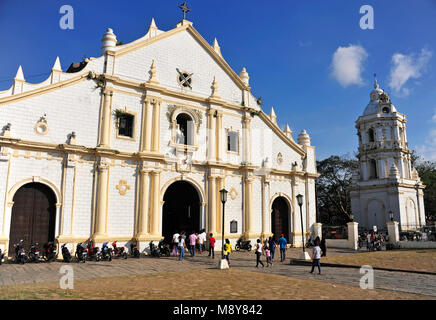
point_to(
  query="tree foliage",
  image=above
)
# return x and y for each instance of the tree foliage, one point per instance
(427, 173)
(333, 189)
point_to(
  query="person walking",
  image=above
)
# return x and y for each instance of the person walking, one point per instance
(272, 247)
(175, 241)
(316, 256)
(202, 240)
(181, 245)
(192, 242)
(268, 257)
(259, 250)
(282, 244)
(211, 245)
(368, 241)
(323, 247)
(227, 250)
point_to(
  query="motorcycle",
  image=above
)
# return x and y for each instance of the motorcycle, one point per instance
(106, 253)
(242, 244)
(118, 252)
(20, 253)
(66, 253)
(134, 251)
(154, 252)
(164, 249)
(34, 255)
(1, 256)
(49, 251)
(81, 252)
(93, 252)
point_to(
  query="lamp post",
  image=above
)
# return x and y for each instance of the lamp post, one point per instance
(300, 203)
(223, 194)
(391, 215)
(351, 217)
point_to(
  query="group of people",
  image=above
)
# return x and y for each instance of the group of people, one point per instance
(197, 243)
(373, 240)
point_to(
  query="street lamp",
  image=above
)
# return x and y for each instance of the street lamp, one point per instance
(300, 203)
(223, 194)
(391, 215)
(351, 217)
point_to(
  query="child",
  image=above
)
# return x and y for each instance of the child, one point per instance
(227, 250)
(268, 257)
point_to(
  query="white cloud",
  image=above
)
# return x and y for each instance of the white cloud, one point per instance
(433, 119)
(405, 67)
(428, 150)
(347, 64)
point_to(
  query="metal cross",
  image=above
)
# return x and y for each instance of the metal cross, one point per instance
(185, 79)
(185, 9)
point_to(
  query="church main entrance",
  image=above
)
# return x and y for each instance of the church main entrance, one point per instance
(280, 218)
(181, 209)
(33, 216)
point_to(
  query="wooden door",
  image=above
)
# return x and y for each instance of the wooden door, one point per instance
(33, 216)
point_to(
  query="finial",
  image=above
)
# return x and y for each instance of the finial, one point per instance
(216, 47)
(375, 82)
(57, 65)
(272, 115)
(244, 76)
(19, 76)
(152, 29)
(153, 77)
(215, 89)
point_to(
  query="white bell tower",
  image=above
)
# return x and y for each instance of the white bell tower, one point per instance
(386, 181)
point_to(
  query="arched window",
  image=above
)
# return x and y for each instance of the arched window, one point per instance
(371, 135)
(186, 127)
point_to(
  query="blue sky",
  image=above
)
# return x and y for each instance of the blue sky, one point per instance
(288, 48)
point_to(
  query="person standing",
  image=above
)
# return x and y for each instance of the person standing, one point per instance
(202, 240)
(316, 256)
(323, 247)
(192, 242)
(227, 250)
(211, 245)
(181, 245)
(175, 241)
(282, 244)
(368, 241)
(272, 247)
(259, 250)
(268, 257)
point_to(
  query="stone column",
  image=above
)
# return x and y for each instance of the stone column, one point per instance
(147, 126)
(393, 232)
(247, 145)
(203, 215)
(155, 193)
(156, 127)
(248, 206)
(101, 210)
(219, 206)
(211, 150)
(212, 205)
(353, 235)
(143, 205)
(105, 128)
(219, 134)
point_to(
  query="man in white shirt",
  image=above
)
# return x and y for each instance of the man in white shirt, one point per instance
(316, 256)
(176, 240)
(202, 239)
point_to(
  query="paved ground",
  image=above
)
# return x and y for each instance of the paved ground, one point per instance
(14, 274)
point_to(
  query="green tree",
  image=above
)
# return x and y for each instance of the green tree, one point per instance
(427, 173)
(333, 189)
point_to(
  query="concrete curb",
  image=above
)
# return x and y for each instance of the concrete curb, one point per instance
(309, 263)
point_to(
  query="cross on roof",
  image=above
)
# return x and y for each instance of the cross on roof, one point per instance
(185, 9)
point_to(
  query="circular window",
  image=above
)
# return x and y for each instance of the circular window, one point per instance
(385, 110)
(185, 79)
(41, 128)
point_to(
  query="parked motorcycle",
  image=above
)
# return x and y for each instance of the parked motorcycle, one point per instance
(20, 253)
(164, 249)
(243, 244)
(154, 251)
(1, 256)
(81, 252)
(34, 254)
(118, 252)
(49, 252)
(106, 253)
(134, 251)
(93, 252)
(66, 253)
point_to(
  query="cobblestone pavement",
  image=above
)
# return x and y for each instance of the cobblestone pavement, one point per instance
(14, 274)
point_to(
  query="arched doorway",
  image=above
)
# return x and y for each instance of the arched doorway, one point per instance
(181, 209)
(280, 218)
(33, 217)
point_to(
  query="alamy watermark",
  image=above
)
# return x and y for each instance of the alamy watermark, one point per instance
(67, 20)
(367, 20)
(67, 280)
(367, 280)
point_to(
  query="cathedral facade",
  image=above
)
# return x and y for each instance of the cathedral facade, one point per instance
(386, 187)
(137, 143)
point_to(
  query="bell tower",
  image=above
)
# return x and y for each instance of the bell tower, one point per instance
(385, 181)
